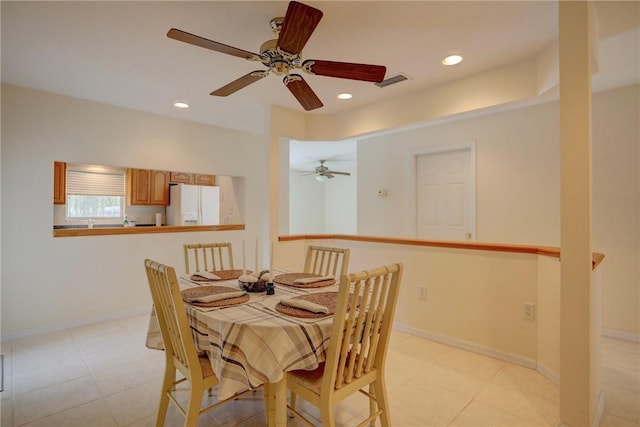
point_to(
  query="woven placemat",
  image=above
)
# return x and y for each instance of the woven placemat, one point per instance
(290, 278)
(222, 274)
(200, 291)
(328, 299)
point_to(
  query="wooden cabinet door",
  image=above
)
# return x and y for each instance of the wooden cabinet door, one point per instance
(148, 187)
(159, 189)
(201, 179)
(181, 178)
(59, 183)
(139, 186)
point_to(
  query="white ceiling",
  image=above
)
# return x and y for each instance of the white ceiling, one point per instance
(304, 156)
(118, 53)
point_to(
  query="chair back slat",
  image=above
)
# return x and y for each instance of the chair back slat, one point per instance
(369, 337)
(327, 261)
(208, 257)
(361, 329)
(345, 341)
(376, 324)
(172, 317)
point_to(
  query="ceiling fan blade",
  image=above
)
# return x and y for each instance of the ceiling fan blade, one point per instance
(299, 23)
(340, 173)
(345, 70)
(240, 83)
(183, 36)
(302, 91)
(328, 175)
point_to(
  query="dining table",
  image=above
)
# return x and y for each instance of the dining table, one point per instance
(255, 343)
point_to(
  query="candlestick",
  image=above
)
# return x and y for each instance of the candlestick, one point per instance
(244, 269)
(257, 270)
(271, 264)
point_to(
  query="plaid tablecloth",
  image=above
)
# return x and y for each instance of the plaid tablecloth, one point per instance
(252, 344)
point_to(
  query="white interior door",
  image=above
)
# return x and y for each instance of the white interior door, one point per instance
(445, 195)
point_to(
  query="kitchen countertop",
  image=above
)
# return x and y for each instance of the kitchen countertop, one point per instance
(101, 230)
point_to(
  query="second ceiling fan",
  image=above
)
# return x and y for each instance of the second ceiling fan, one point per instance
(323, 173)
(282, 55)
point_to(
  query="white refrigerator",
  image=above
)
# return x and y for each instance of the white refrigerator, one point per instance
(193, 205)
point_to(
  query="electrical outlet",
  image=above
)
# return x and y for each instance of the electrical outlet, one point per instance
(423, 292)
(528, 311)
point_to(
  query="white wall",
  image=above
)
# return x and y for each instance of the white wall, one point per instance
(47, 281)
(306, 204)
(517, 175)
(518, 187)
(323, 207)
(232, 199)
(616, 204)
(341, 203)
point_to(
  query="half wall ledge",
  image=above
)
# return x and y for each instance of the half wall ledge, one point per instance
(550, 251)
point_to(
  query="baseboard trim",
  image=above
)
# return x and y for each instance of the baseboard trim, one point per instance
(552, 376)
(627, 336)
(597, 416)
(74, 324)
(468, 345)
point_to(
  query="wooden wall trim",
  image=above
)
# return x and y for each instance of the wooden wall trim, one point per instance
(108, 231)
(493, 247)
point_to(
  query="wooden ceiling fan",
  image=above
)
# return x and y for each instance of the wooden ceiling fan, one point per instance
(282, 55)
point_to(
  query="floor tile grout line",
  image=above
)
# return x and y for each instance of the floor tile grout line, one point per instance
(56, 413)
(473, 399)
(623, 418)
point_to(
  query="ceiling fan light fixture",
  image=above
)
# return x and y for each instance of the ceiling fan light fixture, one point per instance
(452, 60)
(280, 67)
(345, 96)
(321, 178)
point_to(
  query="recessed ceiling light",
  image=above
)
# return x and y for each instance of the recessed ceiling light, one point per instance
(345, 96)
(452, 60)
(181, 105)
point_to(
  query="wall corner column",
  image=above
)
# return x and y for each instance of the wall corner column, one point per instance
(576, 377)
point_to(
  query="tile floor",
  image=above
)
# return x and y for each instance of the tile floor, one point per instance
(102, 375)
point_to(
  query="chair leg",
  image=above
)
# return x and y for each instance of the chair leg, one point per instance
(292, 402)
(373, 407)
(167, 386)
(382, 401)
(193, 409)
(327, 417)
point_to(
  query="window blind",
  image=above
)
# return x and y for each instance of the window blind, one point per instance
(90, 183)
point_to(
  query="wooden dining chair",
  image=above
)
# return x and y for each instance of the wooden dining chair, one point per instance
(208, 256)
(355, 359)
(180, 350)
(327, 261)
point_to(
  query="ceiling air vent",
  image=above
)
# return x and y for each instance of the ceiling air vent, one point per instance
(392, 80)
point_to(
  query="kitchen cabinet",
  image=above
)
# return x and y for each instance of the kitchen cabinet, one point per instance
(59, 183)
(191, 178)
(147, 187)
(201, 179)
(181, 178)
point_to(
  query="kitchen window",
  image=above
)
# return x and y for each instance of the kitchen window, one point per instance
(95, 192)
